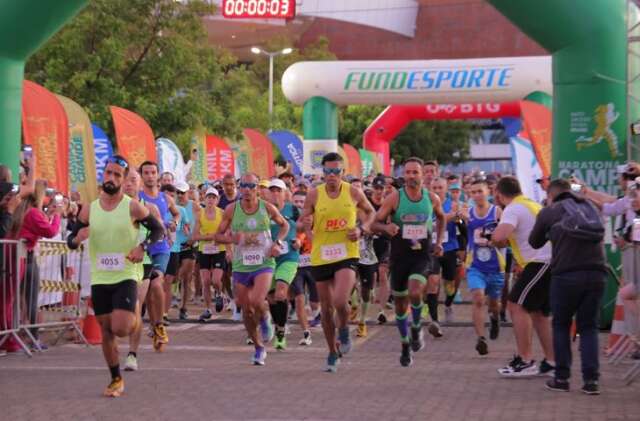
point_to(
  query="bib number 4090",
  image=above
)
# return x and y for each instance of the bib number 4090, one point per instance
(252, 258)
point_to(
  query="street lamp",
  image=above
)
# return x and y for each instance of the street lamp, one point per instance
(284, 51)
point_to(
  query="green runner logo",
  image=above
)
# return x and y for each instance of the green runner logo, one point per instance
(604, 116)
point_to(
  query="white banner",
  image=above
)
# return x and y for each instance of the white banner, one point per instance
(170, 158)
(526, 168)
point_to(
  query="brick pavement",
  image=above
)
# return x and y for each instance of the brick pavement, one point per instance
(205, 374)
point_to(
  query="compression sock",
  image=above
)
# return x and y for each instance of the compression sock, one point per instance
(115, 371)
(402, 321)
(432, 303)
(416, 313)
(280, 313)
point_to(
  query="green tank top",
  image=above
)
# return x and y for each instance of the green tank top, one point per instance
(253, 253)
(112, 236)
(415, 220)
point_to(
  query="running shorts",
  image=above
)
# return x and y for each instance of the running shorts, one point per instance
(285, 272)
(490, 282)
(532, 288)
(327, 272)
(160, 261)
(448, 264)
(367, 275)
(304, 277)
(121, 296)
(173, 265)
(212, 261)
(401, 270)
(248, 279)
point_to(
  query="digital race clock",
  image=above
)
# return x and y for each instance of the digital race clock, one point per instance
(263, 9)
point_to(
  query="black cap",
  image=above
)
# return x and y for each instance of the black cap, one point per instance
(5, 188)
(379, 181)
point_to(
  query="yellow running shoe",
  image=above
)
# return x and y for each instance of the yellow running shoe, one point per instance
(362, 330)
(353, 316)
(115, 388)
(160, 337)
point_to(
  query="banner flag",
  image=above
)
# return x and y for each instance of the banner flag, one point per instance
(526, 168)
(241, 158)
(537, 121)
(345, 158)
(219, 158)
(102, 150)
(261, 153)
(170, 158)
(290, 147)
(82, 159)
(367, 162)
(46, 129)
(134, 137)
(355, 163)
(199, 169)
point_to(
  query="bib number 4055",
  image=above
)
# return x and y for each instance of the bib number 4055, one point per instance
(110, 262)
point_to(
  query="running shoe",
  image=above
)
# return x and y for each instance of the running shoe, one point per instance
(362, 330)
(165, 320)
(260, 356)
(160, 337)
(266, 329)
(219, 303)
(131, 364)
(306, 338)
(382, 318)
(557, 385)
(183, 314)
(546, 369)
(425, 311)
(353, 316)
(316, 321)
(249, 341)
(435, 330)
(280, 342)
(590, 388)
(448, 315)
(481, 346)
(287, 329)
(237, 316)
(405, 357)
(115, 388)
(345, 340)
(332, 362)
(517, 367)
(389, 304)
(494, 331)
(292, 314)
(417, 339)
(206, 315)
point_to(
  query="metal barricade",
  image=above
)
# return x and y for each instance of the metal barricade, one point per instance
(51, 290)
(12, 254)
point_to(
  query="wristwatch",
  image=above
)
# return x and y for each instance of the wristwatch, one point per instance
(279, 243)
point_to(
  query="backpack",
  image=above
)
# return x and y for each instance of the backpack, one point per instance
(581, 221)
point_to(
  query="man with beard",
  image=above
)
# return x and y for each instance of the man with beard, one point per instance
(382, 248)
(111, 223)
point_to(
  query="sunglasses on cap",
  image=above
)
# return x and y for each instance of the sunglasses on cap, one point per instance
(249, 186)
(118, 161)
(329, 171)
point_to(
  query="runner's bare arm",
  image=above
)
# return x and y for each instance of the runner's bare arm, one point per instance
(500, 236)
(80, 230)
(381, 222)
(174, 211)
(223, 236)
(309, 209)
(440, 218)
(195, 236)
(367, 213)
(277, 217)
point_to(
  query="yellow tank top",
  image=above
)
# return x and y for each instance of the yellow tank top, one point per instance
(332, 220)
(210, 226)
(532, 207)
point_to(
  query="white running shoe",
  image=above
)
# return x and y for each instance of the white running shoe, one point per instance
(131, 363)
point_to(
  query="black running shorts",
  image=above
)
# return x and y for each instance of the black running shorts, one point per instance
(327, 272)
(121, 296)
(212, 261)
(531, 289)
(416, 267)
(305, 277)
(367, 275)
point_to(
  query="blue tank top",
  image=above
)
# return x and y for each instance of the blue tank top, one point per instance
(451, 235)
(485, 259)
(186, 220)
(291, 215)
(161, 247)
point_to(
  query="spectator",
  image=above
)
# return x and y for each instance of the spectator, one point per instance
(9, 200)
(577, 283)
(167, 178)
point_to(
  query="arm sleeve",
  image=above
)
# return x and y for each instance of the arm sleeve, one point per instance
(155, 228)
(538, 235)
(77, 226)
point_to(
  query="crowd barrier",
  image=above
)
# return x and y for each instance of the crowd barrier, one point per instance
(41, 291)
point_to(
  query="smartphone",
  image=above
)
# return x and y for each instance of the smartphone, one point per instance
(15, 189)
(576, 187)
(49, 191)
(27, 152)
(58, 198)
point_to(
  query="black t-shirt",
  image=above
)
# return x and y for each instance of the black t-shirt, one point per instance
(5, 223)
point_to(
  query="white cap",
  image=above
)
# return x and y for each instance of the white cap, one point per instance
(276, 182)
(182, 186)
(212, 190)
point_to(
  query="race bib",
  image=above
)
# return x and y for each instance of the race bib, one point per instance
(112, 262)
(252, 257)
(333, 252)
(483, 253)
(305, 260)
(445, 238)
(210, 248)
(414, 232)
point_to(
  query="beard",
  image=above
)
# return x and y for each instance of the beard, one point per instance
(110, 188)
(413, 183)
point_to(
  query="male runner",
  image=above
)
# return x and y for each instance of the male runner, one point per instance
(458, 207)
(212, 255)
(331, 211)
(183, 238)
(484, 276)
(246, 225)
(382, 248)
(229, 195)
(286, 262)
(111, 225)
(411, 210)
(367, 273)
(160, 251)
(529, 301)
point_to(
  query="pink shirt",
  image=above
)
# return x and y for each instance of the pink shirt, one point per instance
(36, 225)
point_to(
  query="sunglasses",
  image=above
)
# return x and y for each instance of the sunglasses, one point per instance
(249, 186)
(181, 192)
(329, 171)
(118, 161)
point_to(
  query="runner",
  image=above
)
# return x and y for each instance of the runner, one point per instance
(459, 207)
(211, 258)
(246, 224)
(174, 257)
(382, 248)
(484, 275)
(529, 302)
(183, 238)
(229, 195)
(330, 211)
(367, 274)
(111, 225)
(286, 262)
(160, 251)
(411, 209)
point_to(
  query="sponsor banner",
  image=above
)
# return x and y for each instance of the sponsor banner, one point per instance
(290, 147)
(526, 167)
(82, 160)
(314, 150)
(261, 153)
(367, 158)
(355, 163)
(102, 151)
(241, 156)
(46, 129)
(219, 158)
(198, 148)
(170, 158)
(134, 137)
(536, 119)
(345, 158)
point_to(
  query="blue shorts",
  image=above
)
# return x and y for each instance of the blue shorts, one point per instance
(248, 278)
(490, 282)
(160, 262)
